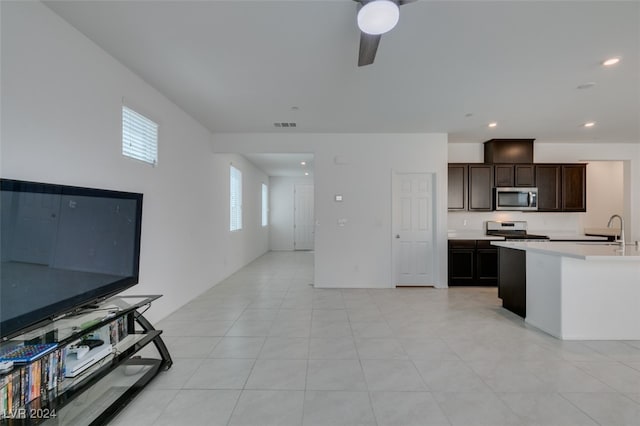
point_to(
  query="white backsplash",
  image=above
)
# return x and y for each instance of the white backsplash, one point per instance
(565, 223)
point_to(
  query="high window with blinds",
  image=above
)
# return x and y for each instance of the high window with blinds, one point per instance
(235, 199)
(265, 205)
(139, 136)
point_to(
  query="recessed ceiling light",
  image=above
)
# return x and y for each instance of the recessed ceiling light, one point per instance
(589, 124)
(493, 124)
(611, 61)
(303, 163)
(306, 173)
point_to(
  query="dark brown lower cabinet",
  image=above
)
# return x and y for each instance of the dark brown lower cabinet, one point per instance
(486, 263)
(462, 262)
(512, 280)
(472, 262)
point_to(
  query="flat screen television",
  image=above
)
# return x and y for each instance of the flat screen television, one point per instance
(63, 247)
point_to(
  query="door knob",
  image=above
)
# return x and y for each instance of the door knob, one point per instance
(397, 235)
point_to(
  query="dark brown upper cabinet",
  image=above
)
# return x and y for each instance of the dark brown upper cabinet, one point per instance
(458, 176)
(562, 187)
(510, 175)
(470, 187)
(503, 174)
(524, 175)
(549, 180)
(480, 187)
(508, 151)
(574, 187)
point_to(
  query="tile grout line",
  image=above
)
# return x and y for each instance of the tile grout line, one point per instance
(578, 408)
(252, 289)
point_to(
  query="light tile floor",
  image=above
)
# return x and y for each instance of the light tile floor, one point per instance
(266, 348)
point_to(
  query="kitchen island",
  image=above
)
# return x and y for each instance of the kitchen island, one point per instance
(582, 290)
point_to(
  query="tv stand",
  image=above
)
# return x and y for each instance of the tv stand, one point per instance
(97, 391)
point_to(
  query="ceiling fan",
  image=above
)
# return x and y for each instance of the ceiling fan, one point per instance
(375, 17)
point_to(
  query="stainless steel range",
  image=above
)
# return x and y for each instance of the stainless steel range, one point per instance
(514, 230)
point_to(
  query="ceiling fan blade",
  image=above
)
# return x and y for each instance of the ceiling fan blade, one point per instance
(368, 47)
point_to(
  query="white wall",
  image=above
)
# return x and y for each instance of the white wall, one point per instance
(61, 123)
(561, 152)
(281, 210)
(233, 250)
(541, 223)
(359, 166)
(605, 195)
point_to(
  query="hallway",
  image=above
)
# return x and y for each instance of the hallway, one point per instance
(264, 347)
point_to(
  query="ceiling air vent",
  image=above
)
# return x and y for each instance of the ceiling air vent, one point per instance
(283, 124)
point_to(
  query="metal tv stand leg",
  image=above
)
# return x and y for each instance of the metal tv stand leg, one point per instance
(167, 362)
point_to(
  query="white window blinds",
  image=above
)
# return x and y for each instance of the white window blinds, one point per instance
(139, 136)
(265, 205)
(235, 199)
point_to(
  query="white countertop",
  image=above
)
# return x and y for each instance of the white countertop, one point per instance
(578, 250)
(472, 235)
(610, 232)
(553, 235)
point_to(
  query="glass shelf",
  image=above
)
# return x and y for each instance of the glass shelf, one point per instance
(72, 326)
(96, 403)
(96, 394)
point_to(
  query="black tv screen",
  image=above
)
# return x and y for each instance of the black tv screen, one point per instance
(63, 247)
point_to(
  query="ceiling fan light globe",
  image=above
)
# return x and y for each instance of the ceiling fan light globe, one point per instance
(378, 17)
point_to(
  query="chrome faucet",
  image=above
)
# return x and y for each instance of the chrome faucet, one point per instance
(620, 240)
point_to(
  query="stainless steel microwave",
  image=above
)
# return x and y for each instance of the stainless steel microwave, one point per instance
(508, 198)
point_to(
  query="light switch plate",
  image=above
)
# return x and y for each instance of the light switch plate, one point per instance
(338, 197)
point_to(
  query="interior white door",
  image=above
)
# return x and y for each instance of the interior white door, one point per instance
(413, 229)
(303, 222)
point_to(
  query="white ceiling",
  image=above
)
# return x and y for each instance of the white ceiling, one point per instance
(240, 66)
(283, 164)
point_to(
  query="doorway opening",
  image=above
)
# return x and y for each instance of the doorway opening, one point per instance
(291, 209)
